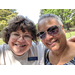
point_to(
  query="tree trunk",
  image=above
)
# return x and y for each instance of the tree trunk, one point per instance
(67, 27)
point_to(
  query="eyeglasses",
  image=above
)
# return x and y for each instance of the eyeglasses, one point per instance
(53, 30)
(17, 36)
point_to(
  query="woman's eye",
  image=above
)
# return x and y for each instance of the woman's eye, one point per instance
(16, 34)
(27, 36)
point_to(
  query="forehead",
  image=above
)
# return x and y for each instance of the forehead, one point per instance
(20, 31)
(46, 22)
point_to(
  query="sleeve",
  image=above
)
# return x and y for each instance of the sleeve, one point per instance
(1, 55)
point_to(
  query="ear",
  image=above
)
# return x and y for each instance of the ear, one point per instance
(63, 28)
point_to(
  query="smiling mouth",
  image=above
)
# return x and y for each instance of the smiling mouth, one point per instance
(52, 42)
(20, 45)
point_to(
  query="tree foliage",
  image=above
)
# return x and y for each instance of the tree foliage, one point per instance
(67, 16)
(5, 15)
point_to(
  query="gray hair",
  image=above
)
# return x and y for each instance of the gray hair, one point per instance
(51, 16)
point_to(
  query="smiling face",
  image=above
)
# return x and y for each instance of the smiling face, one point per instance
(20, 42)
(56, 42)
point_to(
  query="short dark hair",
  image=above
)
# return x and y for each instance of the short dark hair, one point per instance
(19, 22)
(51, 16)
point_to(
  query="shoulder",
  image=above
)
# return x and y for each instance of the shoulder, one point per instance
(33, 51)
(4, 47)
(1, 46)
(34, 45)
(71, 45)
(72, 48)
(38, 45)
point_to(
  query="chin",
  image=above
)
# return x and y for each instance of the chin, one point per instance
(54, 49)
(18, 54)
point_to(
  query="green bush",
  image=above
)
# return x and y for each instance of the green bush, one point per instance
(0, 34)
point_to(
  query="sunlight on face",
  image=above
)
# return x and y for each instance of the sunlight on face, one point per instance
(51, 42)
(20, 42)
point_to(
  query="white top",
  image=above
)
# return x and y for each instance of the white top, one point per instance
(7, 57)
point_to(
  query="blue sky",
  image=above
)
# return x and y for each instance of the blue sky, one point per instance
(32, 14)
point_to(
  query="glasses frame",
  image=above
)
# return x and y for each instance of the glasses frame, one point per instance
(44, 32)
(13, 35)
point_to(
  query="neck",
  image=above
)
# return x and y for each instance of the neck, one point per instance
(57, 53)
(55, 57)
(60, 51)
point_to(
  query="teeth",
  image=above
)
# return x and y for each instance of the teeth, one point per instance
(49, 43)
(19, 45)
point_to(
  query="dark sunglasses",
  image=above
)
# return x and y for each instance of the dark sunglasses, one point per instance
(53, 30)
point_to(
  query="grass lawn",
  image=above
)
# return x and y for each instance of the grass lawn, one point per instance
(68, 35)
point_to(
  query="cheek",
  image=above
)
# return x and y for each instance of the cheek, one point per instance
(29, 42)
(43, 41)
(11, 43)
(11, 40)
(61, 39)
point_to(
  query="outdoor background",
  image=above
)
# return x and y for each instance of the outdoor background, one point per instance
(67, 16)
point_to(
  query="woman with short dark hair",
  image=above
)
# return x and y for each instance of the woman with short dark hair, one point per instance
(16, 23)
(20, 38)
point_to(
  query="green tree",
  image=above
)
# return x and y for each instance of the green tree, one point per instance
(67, 16)
(5, 15)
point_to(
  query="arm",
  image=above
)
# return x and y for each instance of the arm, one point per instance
(72, 39)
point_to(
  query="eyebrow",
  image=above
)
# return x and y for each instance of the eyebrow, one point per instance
(23, 32)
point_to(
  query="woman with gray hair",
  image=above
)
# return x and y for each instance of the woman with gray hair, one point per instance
(52, 34)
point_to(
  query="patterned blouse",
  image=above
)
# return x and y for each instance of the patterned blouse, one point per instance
(71, 62)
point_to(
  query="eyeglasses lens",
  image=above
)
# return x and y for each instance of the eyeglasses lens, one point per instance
(42, 35)
(51, 31)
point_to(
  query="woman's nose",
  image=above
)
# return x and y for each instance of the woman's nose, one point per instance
(48, 36)
(21, 39)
